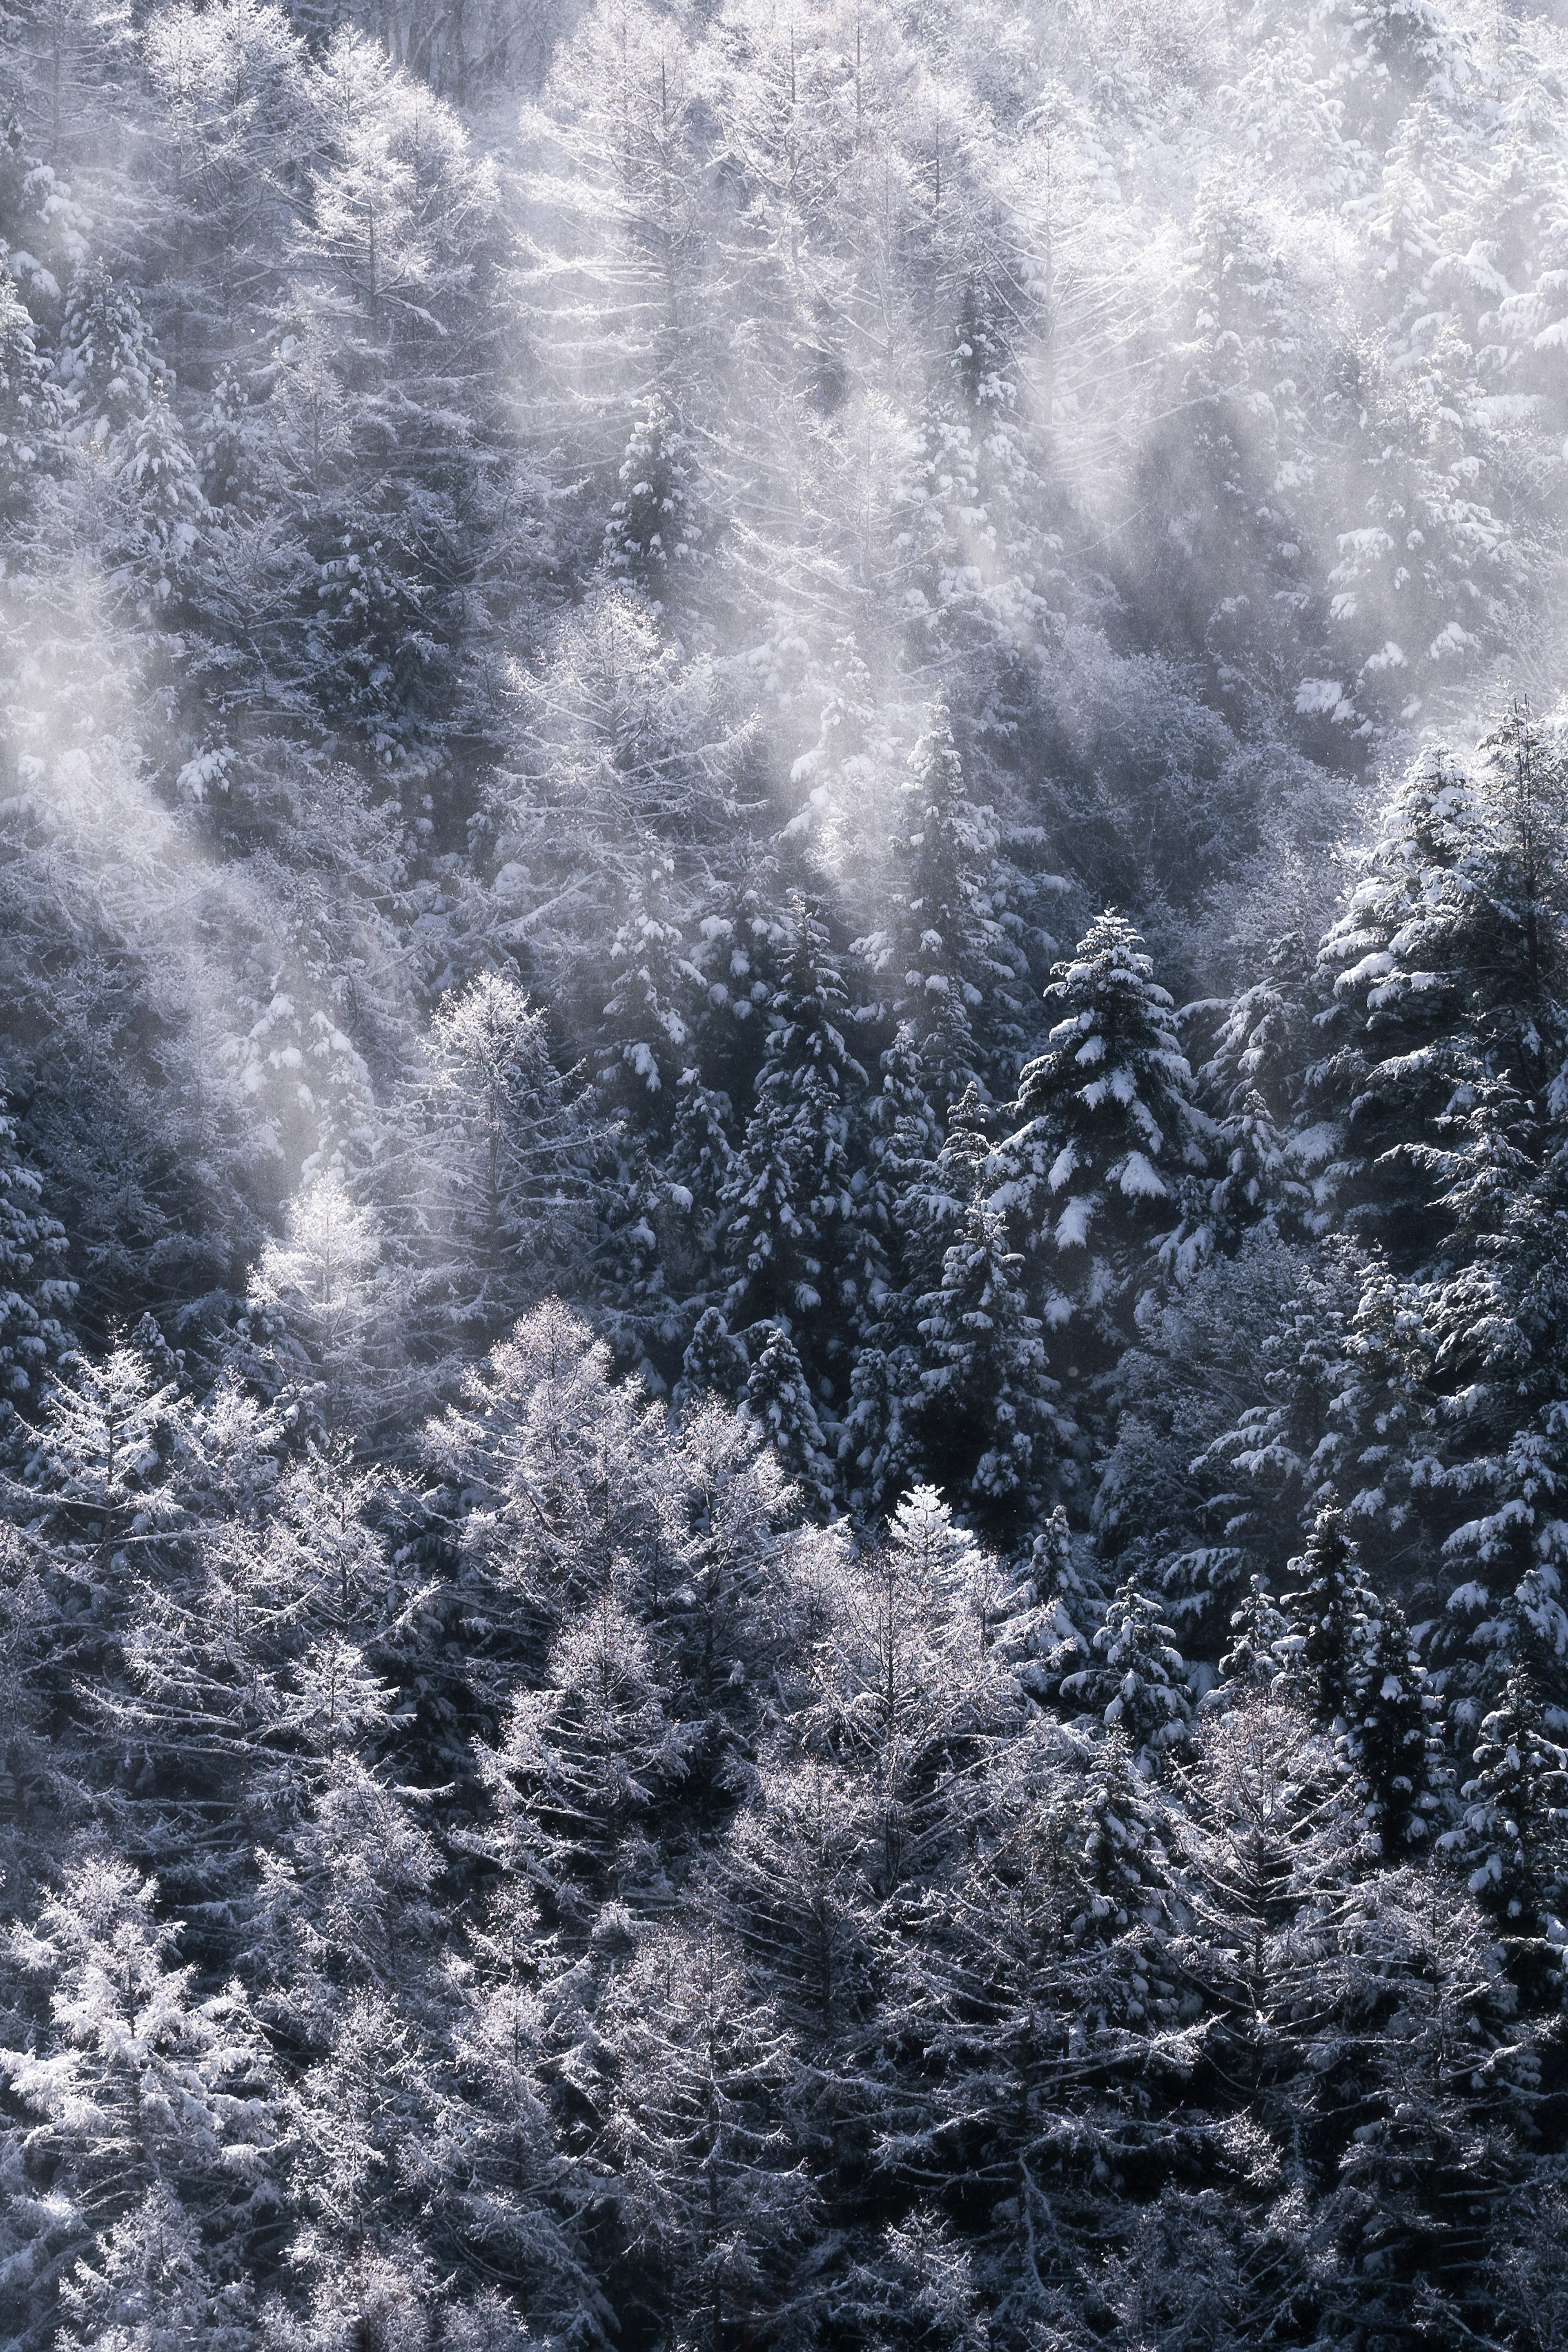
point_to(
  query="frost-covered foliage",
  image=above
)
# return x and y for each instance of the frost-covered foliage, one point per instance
(783, 1176)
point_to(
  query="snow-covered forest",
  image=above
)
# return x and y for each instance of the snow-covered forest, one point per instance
(783, 1175)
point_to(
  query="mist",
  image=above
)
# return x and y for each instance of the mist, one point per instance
(783, 1175)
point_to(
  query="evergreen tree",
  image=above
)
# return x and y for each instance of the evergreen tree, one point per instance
(715, 1362)
(947, 963)
(789, 1202)
(1392, 1740)
(987, 1415)
(30, 407)
(1135, 1679)
(140, 2090)
(777, 1403)
(657, 532)
(35, 1290)
(1327, 1608)
(1512, 1837)
(712, 2193)
(1103, 1127)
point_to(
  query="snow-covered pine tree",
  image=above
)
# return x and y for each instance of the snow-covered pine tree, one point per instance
(1391, 1741)
(777, 1404)
(31, 411)
(659, 530)
(1326, 1609)
(35, 1291)
(1251, 1661)
(644, 1038)
(136, 2086)
(714, 1363)
(789, 1201)
(1513, 1837)
(988, 1417)
(699, 2132)
(1104, 1126)
(1135, 1679)
(946, 963)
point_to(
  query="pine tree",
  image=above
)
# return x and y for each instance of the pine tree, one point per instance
(1326, 1609)
(987, 1415)
(1103, 1129)
(1392, 1740)
(36, 1292)
(1432, 973)
(31, 412)
(712, 2193)
(646, 1037)
(107, 365)
(1513, 1840)
(138, 2087)
(948, 966)
(777, 1404)
(1251, 1662)
(1137, 1678)
(788, 1203)
(714, 1363)
(166, 506)
(657, 530)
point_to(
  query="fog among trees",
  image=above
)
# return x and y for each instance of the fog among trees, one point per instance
(783, 1176)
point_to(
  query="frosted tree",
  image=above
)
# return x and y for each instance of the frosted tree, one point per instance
(104, 1433)
(328, 1283)
(946, 962)
(988, 1411)
(36, 1292)
(777, 1403)
(1392, 1739)
(139, 2089)
(657, 530)
(491, 1180)
(795, 1890)
(108, 366)
(1513, 1837)
(31, 413)
(1135, 1678)
(583, 1762)
(788, 1203)
(552, 1472)
(1103, 1128)
(708, 2183)
(1326, 1611)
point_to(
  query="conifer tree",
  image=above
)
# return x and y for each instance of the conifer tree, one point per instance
(789, 1202)
(657, 528)
(1135, 1679)
(1326, 1608)
(1513, 1838)
(701, 2077)
(31, 412)
(644, 1034)
(988, 1414)
(946, 961)
(1103, 1127)
(1256, 1627)
(35, 1291)
(139, 2089)
(777, 1403)
(1392, 1740)
(714, 1364)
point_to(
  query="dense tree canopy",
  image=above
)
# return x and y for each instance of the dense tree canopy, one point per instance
(783, 1176)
